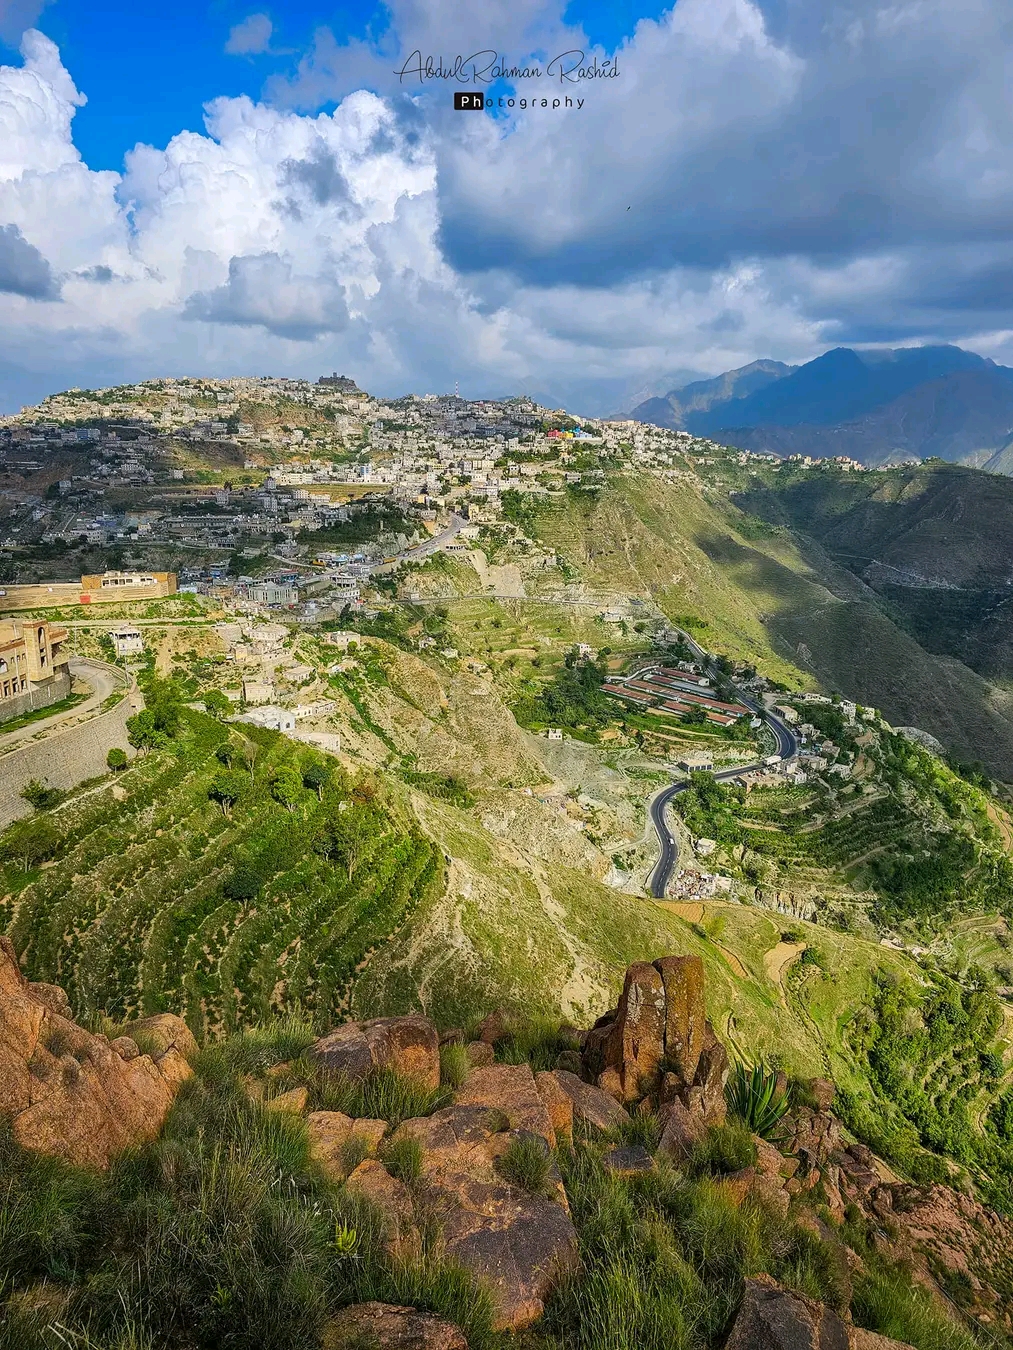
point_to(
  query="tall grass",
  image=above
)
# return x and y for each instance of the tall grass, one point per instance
(383, 1095)
(892, 1304)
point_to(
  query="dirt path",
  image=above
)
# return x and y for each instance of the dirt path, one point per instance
(777, 961)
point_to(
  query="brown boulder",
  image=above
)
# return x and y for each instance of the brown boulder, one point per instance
(710, 1078)
(391, 1198)
(69, 1093)
(162, 1033)
(685, 1013)
(386, 1327)
(683, 1131)
(822, 1092)
(293, 1102)
(336, 1140)
(871, 1340)
(480, 1053)
(406, 1045)
(517, 1243)
(494, 1028)
(772, 1318)
(558, 1104)
(633, 1045)
(509, 1088)
(591, 1106)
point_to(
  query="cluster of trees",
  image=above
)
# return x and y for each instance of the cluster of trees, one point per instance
(573, 698)
(931, 1056)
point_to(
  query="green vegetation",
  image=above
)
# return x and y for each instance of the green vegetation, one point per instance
(201, 891)
(758, 1099)
(38, 714)
(573, 698)
(221, 1231)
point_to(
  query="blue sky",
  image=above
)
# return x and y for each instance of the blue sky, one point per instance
(232, 187)
(149, 69)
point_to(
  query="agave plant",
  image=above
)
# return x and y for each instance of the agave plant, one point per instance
(756, 1097)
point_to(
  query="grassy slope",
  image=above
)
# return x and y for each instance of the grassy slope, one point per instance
(780, 601)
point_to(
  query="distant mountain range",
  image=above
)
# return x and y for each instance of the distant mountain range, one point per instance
(877, 407)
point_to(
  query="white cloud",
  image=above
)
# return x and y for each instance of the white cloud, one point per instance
(792, 181)
(251, 37)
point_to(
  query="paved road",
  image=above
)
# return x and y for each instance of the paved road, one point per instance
(103, 680)
(787, 748)
(428, 546)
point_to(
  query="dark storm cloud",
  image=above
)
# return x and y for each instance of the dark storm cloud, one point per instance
(23, 269)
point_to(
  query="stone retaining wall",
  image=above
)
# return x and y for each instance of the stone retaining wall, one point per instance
(64, 758)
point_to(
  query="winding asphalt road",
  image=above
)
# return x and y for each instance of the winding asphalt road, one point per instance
(787, 748)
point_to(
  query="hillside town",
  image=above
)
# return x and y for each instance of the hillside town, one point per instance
(248, 477)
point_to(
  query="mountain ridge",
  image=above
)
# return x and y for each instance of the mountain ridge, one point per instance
(875, 407)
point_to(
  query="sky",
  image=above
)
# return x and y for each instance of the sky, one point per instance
(222, 188)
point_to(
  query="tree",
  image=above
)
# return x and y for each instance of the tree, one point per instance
(144, 734)
(39, 796)
(226, 788)
(216, 704)
(116, 759)
(225, 754)
(316, 776)
(351, 835)
(286, 787)
(29, 841)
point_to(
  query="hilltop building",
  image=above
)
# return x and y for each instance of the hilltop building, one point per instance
(34, 669)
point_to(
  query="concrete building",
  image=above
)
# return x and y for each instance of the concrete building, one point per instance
(34, 671)
(271, 717)
(127, 640)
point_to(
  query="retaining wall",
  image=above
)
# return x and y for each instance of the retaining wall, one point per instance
(64, 758)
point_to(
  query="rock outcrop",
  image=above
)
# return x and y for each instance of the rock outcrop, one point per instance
(382, 1326)
(409, 1046)
(520, 1244)
(657, 1046)
(74, 1094)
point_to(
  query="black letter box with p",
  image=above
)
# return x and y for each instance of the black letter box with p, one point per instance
(469, 102)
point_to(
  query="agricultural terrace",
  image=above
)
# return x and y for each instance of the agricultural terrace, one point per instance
(225, 875)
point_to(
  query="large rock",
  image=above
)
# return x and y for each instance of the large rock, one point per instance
(685, 1013)
(406, 1045)
(509, 1088)
(630, 1048)
(386, 1327)
(658, 1033)
(683, 1131)
(591, 1106)
(69, 1093)
(337, 1142)
(558, 1103)
(772, 1318)
(521, 1245)
(392, 1200)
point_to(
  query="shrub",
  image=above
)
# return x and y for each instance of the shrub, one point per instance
(755, 1097)
(116, 759)
(45, 1213)
(454, 1065)
(642, 1128)
(402, 1158)
(727, 1148)
(382, 1095)
(527, 1163)
(40, 797)
(894, 1305)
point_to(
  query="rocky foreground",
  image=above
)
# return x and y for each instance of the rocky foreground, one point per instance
(83, 1097)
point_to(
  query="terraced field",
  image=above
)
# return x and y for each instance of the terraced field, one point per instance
(156, 899)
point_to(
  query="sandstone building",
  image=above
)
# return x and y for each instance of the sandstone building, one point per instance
(33, 667)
